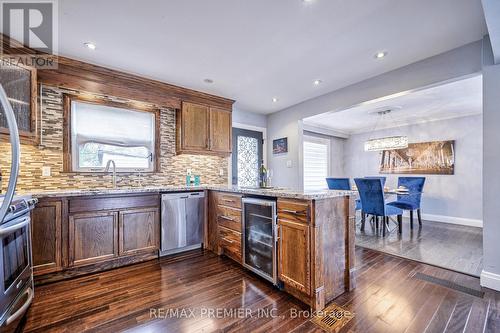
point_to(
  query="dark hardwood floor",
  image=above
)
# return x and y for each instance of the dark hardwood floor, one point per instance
(388, 298)
(451, 246)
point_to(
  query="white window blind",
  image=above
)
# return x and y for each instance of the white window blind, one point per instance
(316, 163)
(100, 133)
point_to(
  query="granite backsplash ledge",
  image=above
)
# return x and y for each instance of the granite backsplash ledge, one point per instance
(49, 153)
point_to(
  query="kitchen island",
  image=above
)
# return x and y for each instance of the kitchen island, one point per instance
(83, 231)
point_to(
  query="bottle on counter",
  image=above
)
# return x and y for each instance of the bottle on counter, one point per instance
(188, 178)
(263, 175)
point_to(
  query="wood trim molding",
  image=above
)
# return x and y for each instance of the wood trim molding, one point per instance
(81, 76)
(67, 163)
(68, 98)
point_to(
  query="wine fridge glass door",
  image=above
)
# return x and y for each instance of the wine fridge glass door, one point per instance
(259, 239)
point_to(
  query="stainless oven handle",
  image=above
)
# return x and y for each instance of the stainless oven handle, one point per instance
(23, 308)
(15, 151)
(11, 229)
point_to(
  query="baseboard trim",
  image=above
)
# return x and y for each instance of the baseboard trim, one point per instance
(490, 280)
(447, 219)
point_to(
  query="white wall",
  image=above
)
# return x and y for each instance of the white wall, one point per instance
(249, 118)
(490, 277)
(451, 65)
(458, 195)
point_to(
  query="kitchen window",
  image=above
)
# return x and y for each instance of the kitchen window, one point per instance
(101, 132)
(316, 156)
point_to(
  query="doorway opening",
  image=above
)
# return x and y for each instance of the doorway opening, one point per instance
(443, 128)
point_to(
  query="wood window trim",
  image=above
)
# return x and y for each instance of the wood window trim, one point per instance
(28, 137)
(68, 98)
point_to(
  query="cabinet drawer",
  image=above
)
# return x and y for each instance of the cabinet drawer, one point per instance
(229, 217)
(230, 243)
(294, 210)
(230, 200)
(90, 204)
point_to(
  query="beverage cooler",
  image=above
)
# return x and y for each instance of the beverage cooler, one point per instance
(260, 237)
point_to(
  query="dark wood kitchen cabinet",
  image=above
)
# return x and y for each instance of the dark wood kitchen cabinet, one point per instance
(224, 224)
(93, 237)
(294, 253)
(220, 130)
(80, 235)
(294, 219)
(46, 231)
(203, 129)
(139, 230)
(193, 128)
(20, 84)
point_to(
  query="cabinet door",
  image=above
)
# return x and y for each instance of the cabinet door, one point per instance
(139, 230)
(194, 127)
(46, 237)
(294, 255)
(93, 237)
(20, 85)
(220, 130)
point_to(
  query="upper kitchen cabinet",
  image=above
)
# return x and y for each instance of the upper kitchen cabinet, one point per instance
(192, 128)
(220, 130)
(19, 83)
(202, 129)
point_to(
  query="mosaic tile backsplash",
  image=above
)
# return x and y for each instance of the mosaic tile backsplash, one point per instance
(49, 153)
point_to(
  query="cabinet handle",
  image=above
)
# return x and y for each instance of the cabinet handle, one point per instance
(290, 211)
(227, 218)
(228, 240)
(227, 200)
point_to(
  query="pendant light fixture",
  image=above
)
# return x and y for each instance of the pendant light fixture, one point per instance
(385, 143)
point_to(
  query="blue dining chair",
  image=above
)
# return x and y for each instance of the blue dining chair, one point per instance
(371, 192)
(342, 184)
(382, 178)
(410, 201)
(338, 184)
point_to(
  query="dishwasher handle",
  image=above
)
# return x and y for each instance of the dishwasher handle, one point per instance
(182, 195)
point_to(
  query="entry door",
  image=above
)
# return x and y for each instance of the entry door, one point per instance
(247, 157)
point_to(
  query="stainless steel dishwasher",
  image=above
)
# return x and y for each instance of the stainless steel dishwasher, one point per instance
(182, 219)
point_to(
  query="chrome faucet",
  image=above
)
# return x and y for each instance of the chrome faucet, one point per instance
(114, 171)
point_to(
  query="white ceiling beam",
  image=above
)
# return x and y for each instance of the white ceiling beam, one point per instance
(491, 10)
(325, 131)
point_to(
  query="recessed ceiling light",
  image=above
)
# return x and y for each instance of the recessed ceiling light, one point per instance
(307, 0)
(209, 81)
(380, 55)
(317, 82)
(275, 99)
(90, 45)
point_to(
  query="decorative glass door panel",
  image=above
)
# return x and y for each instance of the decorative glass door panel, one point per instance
(247, 157)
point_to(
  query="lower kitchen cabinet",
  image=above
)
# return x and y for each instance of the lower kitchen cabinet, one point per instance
(46, 231)
(74, 236)
(230, 243)
(294, 255)
(93, 237)
(139, 230)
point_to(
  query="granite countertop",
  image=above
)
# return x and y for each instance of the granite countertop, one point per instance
(271, 192)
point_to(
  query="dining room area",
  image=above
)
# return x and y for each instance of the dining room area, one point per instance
(414, 161)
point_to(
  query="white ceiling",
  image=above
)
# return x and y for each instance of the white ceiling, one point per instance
(255, 50)
(452, 100)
